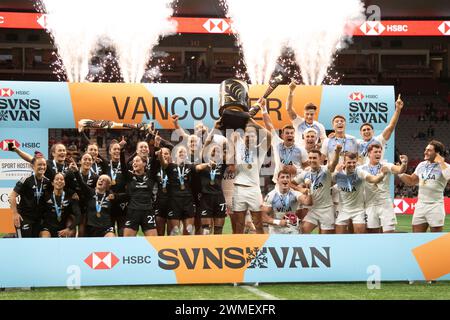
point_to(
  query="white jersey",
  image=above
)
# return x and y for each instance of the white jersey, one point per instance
(349, 144)
(431, 182)
(283, 206)
(320, 186)
(301, 126)
(294, 155)
(377, 194)
(351, 189)
(249, 162)
(363, 147)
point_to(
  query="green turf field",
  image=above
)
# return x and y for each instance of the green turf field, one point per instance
(303, 291)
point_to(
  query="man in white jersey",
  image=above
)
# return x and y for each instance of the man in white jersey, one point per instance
(301, 124)
(319, 179)
(249, 157)
(351, 190)
(348, 142)
(311, 139)
(432, 176)
(379, 210)
(367, 133)
(280, 205)
(286, 151)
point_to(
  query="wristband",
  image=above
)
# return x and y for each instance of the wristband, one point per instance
(277, 221)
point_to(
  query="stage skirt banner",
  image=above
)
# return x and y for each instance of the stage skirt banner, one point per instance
(408, 205)
(29, 109)
(223, 259)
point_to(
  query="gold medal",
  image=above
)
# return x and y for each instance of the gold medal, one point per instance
(182, 187)
(59, 219)
(98, 214)
(164, 190)
(211, 182)
(249, 166)
(113, 182)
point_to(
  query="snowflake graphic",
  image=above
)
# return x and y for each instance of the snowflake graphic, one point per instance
(3, 116)
(354, 118)
(257, 257)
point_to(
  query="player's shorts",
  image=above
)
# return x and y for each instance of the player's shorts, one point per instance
(181, 208)
(321, 217)
(29, 228)
(247, 198)
(162, 207)
(213, 206)
(357, 217)
(119, 209)
(53, 230)
(381, 215)
(143, 218)
(98, 232)
(431, 213)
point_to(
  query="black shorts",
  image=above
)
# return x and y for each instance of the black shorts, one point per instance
(29, 228)
(162, 207)
(212, 206)
(52, 229)
(92, 231)
(143, 218)
(181, 208)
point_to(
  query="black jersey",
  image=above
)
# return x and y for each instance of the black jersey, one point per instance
(58, 209)
(139, 189)
(32, 196)
(116, 171)
(180, 179)
(211, 179)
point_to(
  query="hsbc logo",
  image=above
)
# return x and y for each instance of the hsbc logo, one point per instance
(356, 96)
(216, 25)
(4, 144)
(444, 28)
(401, 206)
(6, 92)
(101, 260)
(372, 28)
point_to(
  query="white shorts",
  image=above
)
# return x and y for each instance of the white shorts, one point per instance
(381, 215)
(323, 217)
(431, 213)
(357, 217)
(247, 198)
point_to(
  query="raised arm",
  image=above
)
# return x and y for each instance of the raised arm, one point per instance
(267, 132)
(289, 104)
(179, 129)
(409, 179)
(399, 169)
(444, 167)
(387, 132)
(267, 121)
(25, 156)
(332, 165)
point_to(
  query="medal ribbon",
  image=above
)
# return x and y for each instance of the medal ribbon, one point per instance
(58, 209)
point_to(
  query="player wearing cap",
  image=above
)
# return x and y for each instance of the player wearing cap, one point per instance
(432, 176)
(378, 202)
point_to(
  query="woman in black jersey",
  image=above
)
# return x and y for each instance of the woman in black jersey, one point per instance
(61, 214)
(162, 204)
(212, 202)
(115, 170)
(90, 179)
(99, 163)
(140, 212)
(27, 215)
(180, 192)
(99, 203)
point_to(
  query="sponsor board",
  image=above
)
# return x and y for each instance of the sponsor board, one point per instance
(4, 200)
(224, 259)
(408, 205)
(14, 169)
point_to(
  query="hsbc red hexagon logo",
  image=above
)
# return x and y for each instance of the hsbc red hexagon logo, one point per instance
(6, 92)
(356, 96)
(444, 27)
(400, 206)
(4, 144)
(372, 28)
(216, 25)
(101, 260)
